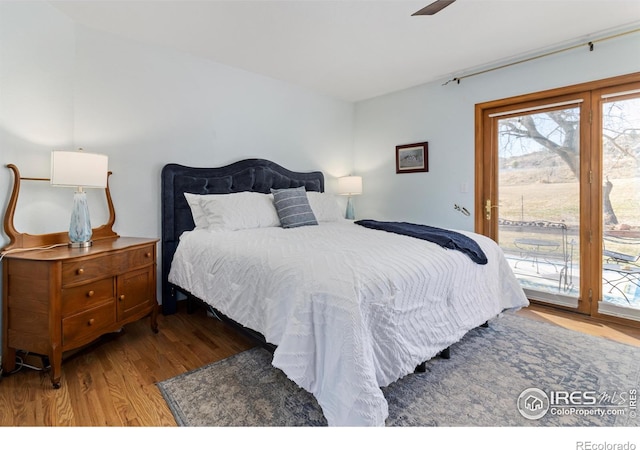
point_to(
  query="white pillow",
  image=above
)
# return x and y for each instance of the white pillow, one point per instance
(199, 217)
(239, 211)
(326, 207)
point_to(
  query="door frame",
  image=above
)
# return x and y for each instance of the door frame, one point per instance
(486, 168)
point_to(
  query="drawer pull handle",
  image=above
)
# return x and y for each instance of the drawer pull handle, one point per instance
(148, 254)
(80, 271)
(90, 293)
(91, 321)
(122, 297)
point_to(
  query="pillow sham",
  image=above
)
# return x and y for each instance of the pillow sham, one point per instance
(199, 217)
(292, 206)
(326, 207)
(239, 211)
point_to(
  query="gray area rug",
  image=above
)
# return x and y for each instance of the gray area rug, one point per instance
(479, 386)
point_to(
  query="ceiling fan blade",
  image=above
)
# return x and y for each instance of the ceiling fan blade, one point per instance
(433, 8)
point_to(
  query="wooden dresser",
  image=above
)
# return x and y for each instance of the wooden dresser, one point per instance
(60, 299)
(57, 298)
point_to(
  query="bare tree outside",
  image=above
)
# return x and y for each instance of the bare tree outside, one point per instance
(539, 176)
(555, 138)
(621, 156)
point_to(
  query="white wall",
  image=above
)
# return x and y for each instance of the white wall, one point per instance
(146, 106)
(444, 116)
(37, 52)
(64, 86)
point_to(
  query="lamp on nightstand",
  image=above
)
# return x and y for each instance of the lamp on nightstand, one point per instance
(351, 185)
(80, 170)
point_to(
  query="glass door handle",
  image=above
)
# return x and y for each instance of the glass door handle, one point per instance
(487, 209)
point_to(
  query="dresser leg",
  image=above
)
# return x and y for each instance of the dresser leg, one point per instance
(9, 360)
(56, 367)
(154, 319)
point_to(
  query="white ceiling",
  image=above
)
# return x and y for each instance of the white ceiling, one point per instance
(354, 50)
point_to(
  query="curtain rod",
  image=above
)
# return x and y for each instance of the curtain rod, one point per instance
(590, 44)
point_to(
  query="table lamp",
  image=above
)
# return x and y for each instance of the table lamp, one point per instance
(80, 170)
(351, 185)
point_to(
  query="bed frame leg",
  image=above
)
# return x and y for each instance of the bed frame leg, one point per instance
(444, 354)
(191, 304)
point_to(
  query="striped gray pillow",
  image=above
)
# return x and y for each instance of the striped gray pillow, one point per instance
(293, 207)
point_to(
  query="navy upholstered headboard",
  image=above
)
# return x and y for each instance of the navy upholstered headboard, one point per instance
(256, 175)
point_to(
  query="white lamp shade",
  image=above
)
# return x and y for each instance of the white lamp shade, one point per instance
(351, 185)
(72, 169)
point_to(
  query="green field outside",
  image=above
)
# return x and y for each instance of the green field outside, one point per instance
(559, 202)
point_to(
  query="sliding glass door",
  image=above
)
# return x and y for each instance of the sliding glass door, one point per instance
(558, 187)
(539, 199)
(620, 141)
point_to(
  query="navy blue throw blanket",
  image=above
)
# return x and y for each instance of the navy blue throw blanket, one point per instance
(444, 238)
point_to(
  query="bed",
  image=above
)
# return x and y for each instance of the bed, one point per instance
(347, 309)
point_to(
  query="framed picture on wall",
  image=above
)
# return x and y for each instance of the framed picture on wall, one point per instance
(412, 158)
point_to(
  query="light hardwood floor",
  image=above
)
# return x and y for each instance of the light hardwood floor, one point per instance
(112, 382)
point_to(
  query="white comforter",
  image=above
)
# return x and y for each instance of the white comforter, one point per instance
(350, 309)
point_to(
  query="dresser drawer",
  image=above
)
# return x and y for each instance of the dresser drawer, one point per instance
(87, 325)
(140, 257)
(88, 269)
(86, 296)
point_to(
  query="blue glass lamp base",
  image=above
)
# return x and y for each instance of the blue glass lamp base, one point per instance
(80, 227)
(350, 214)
